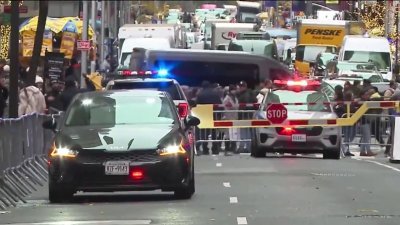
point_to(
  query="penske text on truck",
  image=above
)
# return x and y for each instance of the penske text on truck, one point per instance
(319, 36)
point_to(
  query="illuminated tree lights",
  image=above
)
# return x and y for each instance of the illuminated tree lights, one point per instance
(5, 31)
(373, 17)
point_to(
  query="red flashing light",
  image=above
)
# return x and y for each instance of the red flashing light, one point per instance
(183, 109)
(287, 131)
(126, 72)
(298, 85)
(137, 174)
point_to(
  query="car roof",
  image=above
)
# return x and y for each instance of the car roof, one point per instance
(125, 93)
(155, 80)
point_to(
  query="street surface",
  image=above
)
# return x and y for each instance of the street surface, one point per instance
(242, 190)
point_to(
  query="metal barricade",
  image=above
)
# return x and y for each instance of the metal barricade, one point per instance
(23, 148)
(236, 140)
(372, 129)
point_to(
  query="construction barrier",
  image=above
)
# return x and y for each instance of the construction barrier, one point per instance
(212, 118)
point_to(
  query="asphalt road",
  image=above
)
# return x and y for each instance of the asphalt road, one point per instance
(243, 190)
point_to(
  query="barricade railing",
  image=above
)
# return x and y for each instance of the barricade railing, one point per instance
(23, 147)
(377, 132)
(206, 114)
(231, 129)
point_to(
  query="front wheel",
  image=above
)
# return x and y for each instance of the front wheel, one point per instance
(332, 154)
(256, 150)
(59, 193)
(185, 192)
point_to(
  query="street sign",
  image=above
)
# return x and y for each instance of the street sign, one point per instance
(83, 45)
(276, 113)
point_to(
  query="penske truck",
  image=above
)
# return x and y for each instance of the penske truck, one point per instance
(319, 36)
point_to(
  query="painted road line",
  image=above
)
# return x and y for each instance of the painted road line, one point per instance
(241, 220)
(227, 184)
(233, 200)
(105, 222)
(384, 165)
(219, 164)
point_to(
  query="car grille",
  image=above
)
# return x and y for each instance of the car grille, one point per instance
(96, 156)
(309, 131)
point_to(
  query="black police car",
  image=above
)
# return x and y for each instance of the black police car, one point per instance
(121, 141)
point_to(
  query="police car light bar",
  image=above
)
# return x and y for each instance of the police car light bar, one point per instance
(136, 73)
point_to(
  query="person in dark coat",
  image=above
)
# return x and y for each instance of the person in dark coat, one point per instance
(71, 89)
(245, 95)
(3, 96)
(209, 95)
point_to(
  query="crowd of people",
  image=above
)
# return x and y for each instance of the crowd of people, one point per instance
(42, 97)
(372, 123)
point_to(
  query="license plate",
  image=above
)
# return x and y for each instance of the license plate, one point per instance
(299, 138)
(117, 168)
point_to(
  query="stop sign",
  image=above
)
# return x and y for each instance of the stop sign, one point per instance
(276, 113)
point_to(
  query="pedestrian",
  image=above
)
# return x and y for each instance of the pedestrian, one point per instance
(208, 95)
(106, 64)
(52, 97)
(263, 93)
(376, 116)
(31, 100)
(231, 103)
(72, 69)
(3, 96)
(245, 96)
(390, 91)
(349, 132)
(71, 89)
(365, 148)
(39, 82)
(347, 87)
(356, 89)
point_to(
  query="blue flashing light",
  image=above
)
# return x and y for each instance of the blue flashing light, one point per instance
(162, 72)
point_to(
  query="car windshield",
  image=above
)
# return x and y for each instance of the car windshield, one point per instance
(287, 96)
(117, 109)
(309, 53)
(371, 75)
(355, 66)
(168, 87)
(381, 59)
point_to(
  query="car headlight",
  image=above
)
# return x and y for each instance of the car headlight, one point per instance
(172, 150)
(63, 152)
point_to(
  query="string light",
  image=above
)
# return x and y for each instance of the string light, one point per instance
(5, 31)
(373, 17)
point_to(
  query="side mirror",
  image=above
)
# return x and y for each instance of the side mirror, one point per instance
(193, 121)
(49, 124)
(192, 103)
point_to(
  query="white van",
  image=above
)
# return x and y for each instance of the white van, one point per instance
(358, 48)
(146, 43)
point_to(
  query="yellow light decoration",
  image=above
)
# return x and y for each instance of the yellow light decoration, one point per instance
(374, 23)
(5, 31)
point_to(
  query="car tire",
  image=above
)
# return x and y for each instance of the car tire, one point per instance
(256, 151)
(58, 193)
(186, 192)
(332, 154)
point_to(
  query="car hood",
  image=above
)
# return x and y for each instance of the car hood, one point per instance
(305, 115)
(118, 138)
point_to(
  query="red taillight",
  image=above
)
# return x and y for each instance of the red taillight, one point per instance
(142, 72)
(287, 131)
(137, 174)
(183, 109)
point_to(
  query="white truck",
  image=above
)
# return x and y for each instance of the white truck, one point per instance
(148, 36)
(222, 33)
(364, 49)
